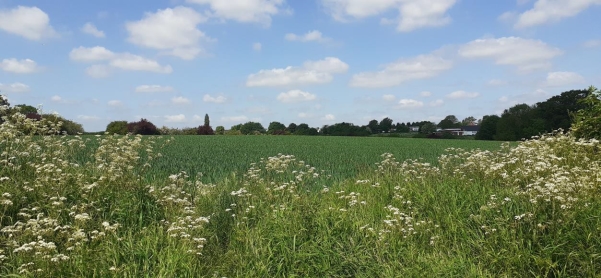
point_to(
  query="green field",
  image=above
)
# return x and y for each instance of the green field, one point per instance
(291, 206)
(342, 157)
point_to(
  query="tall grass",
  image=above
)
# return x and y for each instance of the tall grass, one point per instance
(526, 210)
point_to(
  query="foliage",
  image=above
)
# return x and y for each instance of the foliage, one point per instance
(26, 109)
(587, 121)
(220, 130)
(205, 130)
(117, 127)
(469, 121)
(385, 124)
(488, 127)
(291, 128)
(345, 129)
(374, 126)
(252, 128)
(427, 128)
(207, 122)
(276, 128)
(67, 126)
(556, 111)
(142, 127)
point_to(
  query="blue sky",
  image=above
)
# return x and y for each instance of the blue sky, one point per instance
(311, 61)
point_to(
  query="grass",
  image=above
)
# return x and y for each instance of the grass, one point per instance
(338, 207)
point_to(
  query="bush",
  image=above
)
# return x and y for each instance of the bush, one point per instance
(68, 127)
(205, 130)
(143, 127)
(117, 127)
(587, 123)
(220, 130)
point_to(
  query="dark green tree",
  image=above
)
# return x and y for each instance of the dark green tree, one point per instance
(374, 126)
(276, 128)
(518, 122)
(26, 109)
(117, 127)
(469, 121)
(385, 124)
(587, 121)
(291, 128)
(252, 128)
(556, 112)
(488, 128)
(207, 122)
(220, 130)
(427, 128)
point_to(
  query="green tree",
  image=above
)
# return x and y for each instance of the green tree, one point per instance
(4, 106)
(488, 128)
(117, 127)
(276, 128)
(26, 109)
(374, 126)
(252, 128)
(449, 121)
(556, 112)
(587, 121)
(468, 121)
(518, 122)
(385, 124)
(68, 126)
(291, 128)
(207, 122)
(220, 130)
(427, 128)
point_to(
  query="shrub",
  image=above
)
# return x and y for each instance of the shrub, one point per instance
(143, 127)
(67, 126)
(205, 130)
(220, 130)
(117, 127)
(587, 123)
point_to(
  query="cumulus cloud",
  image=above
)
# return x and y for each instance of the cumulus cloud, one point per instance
(462, 95)
(403, 70)
(250, 11)
(14, 88)
(19, 66)
(413, 14)
(28, 22)
(388, 97)
(153, 89)
(175, 118)
(180, 100)
(547, 11)
(436, 103)
(563, 78)
(56, 98)
(173, 31)
(525, 54)
(329, 117)
(425, 94)
(304, 115)
(90, 29)
(312, 72)
(311, 36)
(124, 61)
(293, 96)
(212, 99)
(409, 104)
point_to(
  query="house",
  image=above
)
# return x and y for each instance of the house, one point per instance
(470, 130)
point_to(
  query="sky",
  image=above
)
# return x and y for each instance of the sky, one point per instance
(303, 61)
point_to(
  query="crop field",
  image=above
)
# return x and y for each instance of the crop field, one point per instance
(268, 206)
(342, 157)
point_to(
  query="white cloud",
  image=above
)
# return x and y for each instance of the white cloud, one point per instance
(88, 118)
(257, 46)
(56, 98)
(19, 66)
(28, 22)
(436, 103)
(175, 118)
(413, 14)
(153, 89)
(180, 100)
(503, 99)
(234, 119)
(425, 94)
(462, 95)
(403, 70)
(304, 115)
(248, 11)
(14, 88)
(171, 30)
(563, 78)
(592, 43)
(124, 61)
(525, 54)
(293, 96)
(497, 82)
(115, 103)
(388, 97)
(312, 72)
(311, 36)
(98, 71)
(216, 99)
(329, 117)
(409, 103)
(546, 11)
(90, 29)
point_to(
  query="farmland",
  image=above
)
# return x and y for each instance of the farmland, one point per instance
(271, 206)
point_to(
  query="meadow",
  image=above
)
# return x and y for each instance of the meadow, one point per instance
(268, 206)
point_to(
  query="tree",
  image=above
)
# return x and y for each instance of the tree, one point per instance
(427, 128)
(4, 106)
(117, 127)
(207, 122)
(291, 128)
(68, 127)
(488, 128)
(385, 124)
(205, 130)
(518, 122)
(276, 128)
(220, 130)
(374, 126)
(587, 121)
(449, 121)
(143, 127)
(26, 109)
(252, 128)
(468, 121)
(556, 111)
